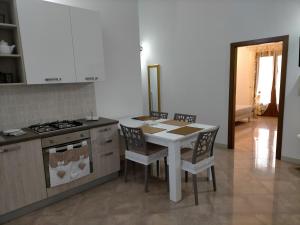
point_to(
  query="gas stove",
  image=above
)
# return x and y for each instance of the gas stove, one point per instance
(53, 126)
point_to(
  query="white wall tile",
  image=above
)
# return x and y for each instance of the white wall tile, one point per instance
(21, 106)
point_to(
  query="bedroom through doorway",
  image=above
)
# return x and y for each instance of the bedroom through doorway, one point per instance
(257, 101)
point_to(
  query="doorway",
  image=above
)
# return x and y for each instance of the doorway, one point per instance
(277, 110)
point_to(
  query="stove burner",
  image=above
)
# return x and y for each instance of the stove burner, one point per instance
(53, 126)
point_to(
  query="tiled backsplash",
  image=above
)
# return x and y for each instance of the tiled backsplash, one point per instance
(21, 106)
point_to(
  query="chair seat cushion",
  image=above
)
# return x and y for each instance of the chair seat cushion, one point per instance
(187, 155)
(154, 148)
(155, 152)
(197, 167)
(151, 149)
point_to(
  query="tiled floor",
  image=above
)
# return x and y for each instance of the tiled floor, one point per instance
(251, 191)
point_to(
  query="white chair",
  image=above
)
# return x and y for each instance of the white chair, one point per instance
(190, 119)
(139, 151)
(158, 115)
(200, 158)
(185, 117)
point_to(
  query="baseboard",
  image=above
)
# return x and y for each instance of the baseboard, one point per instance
(222, 146)
(41, 204)
(291, 160)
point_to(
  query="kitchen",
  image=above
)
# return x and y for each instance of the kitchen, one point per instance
(45, 88)
(68, 92)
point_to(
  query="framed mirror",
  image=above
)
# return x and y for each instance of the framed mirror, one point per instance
(154, 87)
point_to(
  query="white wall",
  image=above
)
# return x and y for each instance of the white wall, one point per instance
(191, 40)
(245, 76)
(120, 94)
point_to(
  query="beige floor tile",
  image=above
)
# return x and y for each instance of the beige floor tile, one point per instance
(252, 189)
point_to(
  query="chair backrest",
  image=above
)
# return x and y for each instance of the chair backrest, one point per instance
(160, 115)
(134, 138)
(204, 146)
(185, 117)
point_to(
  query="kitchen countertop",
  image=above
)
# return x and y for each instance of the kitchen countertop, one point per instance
(30, 135)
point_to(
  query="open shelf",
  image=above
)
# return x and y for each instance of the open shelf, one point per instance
(10, 56)
(12, 84)
(11, 65)
(7, 26)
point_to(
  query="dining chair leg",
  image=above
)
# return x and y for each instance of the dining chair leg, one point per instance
(125, 170)
(146, 178)
(166, 173)
(150, 170)
(186, 176)
(133, 169)
(195, 188)
(214, 177)
(157, 168)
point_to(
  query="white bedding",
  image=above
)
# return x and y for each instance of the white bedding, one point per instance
(243, 111)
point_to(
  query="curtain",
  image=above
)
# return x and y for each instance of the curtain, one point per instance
(278, 78)
(268, 77)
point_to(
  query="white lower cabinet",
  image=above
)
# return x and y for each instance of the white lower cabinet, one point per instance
(105, 149)
(21, 175)
(22, 170)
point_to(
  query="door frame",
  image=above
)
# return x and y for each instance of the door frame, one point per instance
(232, 87)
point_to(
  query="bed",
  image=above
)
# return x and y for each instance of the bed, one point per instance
(243, 112)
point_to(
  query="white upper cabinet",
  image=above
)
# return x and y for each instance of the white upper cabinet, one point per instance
(46, 37)
(88, 46)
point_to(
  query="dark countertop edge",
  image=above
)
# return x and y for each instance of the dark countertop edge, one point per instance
(30, 135)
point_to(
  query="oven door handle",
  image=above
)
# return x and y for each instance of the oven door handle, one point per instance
(65, 148)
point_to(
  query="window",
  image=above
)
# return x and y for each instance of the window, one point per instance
(265, 79)
(278, 78)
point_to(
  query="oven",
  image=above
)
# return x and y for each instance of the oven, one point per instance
(67, 157)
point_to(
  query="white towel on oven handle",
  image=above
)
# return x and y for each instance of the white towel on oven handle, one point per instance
(76, 172)
(56, 180)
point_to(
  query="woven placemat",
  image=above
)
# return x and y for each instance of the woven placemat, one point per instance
(176, 123)
(151, 130)
(185, 130)
(144, 118)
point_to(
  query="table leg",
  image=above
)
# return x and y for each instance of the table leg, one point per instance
(174, 171)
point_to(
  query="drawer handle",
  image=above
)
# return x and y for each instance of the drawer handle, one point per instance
(53, 79)
(10, 149)
(104, 130)
(89, 78)
(108, 154)
(106, 142)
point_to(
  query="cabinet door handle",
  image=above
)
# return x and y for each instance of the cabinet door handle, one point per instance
(15, 148)
(108, 154)
(53, 79)
(89, 78)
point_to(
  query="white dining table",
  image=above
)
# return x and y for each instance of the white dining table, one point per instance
(174, 142)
